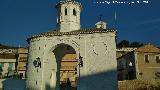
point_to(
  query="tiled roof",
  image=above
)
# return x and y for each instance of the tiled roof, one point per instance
(81, 31)
(148, 49)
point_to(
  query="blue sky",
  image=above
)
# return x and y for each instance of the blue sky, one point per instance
(135, 22)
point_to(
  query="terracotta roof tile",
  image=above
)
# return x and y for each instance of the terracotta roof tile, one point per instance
(148, 48)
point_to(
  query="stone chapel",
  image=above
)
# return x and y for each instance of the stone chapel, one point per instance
(71, 57)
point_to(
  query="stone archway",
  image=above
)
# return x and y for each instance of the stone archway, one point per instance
(65, 58)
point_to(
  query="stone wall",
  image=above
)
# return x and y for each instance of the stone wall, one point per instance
(98, 50)
(66, 20)
(99, 56)
(147, 70)
(122, 51)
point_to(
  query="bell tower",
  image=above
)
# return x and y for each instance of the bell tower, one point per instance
(68, 15)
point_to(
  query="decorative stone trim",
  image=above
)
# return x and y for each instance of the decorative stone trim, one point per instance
(126, 49)
(81, 31)
(69, 2)
(8, 51)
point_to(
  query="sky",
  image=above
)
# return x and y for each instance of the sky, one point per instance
(138, 21)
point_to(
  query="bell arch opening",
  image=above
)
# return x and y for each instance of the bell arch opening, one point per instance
(66, 74)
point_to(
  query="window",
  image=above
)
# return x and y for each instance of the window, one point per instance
(140, 73)
(74, 12)
(65, 11)
(158, 59)
(146, 58)
(9, 69)
(10, 64)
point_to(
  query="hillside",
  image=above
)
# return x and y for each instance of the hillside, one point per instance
(7, 47)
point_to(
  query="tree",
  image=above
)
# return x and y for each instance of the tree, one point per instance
(123, 43)
(136, 44)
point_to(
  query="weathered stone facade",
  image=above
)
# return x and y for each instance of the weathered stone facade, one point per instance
(145, 63)
(150, 69)
(99, 56)
(122, 51)
(95, 50)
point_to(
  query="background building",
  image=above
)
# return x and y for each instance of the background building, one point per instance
(7, 65)
(124, 50)
(22, 62)
(142, 63)
(13, 62)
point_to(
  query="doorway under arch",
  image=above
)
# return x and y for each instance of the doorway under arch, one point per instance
(66, 74)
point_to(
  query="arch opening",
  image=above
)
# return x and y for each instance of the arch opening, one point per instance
(74, 12)
(66, 74)
(65, 11)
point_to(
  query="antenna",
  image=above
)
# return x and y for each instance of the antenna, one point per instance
(115, 23)
(115, 19)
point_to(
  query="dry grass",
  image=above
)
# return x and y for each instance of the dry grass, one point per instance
(139, 85)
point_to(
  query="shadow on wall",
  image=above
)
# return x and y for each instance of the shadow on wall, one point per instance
(100, 81)
(14, 84)
(48, 87)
